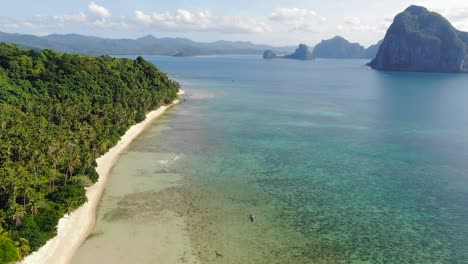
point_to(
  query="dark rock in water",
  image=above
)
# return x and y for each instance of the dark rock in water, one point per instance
(180, 54)
(269, 54)
(338, 48)
(424, 41)
(301, 53)
(371, 51)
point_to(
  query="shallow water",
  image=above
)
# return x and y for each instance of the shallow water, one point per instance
(341, 164)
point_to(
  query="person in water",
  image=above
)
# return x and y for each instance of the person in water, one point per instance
(252, 217)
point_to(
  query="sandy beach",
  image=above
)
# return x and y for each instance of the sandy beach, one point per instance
(74, 228)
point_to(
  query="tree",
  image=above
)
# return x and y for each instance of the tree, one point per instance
(18, 214)
(23, 247)
(8, 252)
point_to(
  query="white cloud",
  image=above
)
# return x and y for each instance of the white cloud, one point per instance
(120, 24)
(98, 10)
(456, 11)
(53, 22)
(95, 16)
(297, 19)
(457, 16)
(28, 24)
(354, 21)
(200, 21)
(293, 15)
(9, 26)
(8, 23)
(71, 18)
(355, 24)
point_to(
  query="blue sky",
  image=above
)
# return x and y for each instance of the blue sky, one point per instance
(276, 22)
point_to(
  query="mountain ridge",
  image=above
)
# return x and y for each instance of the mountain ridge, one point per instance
(151, 45)
(146, 45)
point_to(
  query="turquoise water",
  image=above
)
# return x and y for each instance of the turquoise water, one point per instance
(341, 164)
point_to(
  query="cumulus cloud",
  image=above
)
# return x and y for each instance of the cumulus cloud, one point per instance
(292, 15)
(98, 16)
(94, 16)
(71, 18)
(98, 10)
(297, 19)
(183, 20)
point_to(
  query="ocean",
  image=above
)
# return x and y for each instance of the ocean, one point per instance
(340, 164)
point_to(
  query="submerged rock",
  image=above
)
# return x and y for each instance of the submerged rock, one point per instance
(424, 41)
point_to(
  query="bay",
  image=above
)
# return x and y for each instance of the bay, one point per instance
(340, 163)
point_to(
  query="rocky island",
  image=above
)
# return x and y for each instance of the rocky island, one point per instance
(338, 48)
(422, 41)
(269, 54)
(301, 53)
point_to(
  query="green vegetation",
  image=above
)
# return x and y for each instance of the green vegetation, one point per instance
(59, 112)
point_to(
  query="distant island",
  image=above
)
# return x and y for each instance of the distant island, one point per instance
(301, 53)
(334, 48)
(340, 48)
(422, 41)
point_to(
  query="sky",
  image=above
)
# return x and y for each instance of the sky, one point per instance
(274, 22)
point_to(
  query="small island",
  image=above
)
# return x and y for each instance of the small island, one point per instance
(301, 53)
(422, 41)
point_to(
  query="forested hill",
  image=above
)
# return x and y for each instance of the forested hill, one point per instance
(59, 112)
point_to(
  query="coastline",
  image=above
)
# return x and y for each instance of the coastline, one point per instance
(73, 228)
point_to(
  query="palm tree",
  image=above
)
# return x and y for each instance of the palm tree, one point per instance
(23, 247)
(2, 220)
(38, 159)
(18, 214)
(11, 182)
(36, 203)
(53, 176)
(25, 183)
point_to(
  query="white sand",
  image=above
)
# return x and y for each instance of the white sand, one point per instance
(73, 229)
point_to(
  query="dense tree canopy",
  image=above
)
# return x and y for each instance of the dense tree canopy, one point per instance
(58, 113)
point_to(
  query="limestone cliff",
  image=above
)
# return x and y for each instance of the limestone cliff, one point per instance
(420, 40)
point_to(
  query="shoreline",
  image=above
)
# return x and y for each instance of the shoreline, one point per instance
(74, 228)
